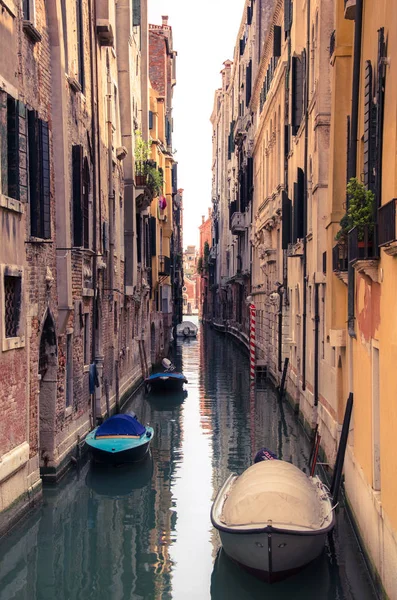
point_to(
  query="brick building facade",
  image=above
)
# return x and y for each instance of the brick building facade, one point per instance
(75, 276)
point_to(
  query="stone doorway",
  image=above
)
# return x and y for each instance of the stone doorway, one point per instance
(48, 371)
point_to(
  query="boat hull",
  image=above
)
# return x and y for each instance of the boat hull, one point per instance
(272, 556)
(165, 383)
(119, 451)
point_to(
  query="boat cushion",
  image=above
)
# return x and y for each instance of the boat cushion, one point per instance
(276, 491)
(121, 425)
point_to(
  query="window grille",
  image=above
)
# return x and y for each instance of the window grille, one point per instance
(12, 297)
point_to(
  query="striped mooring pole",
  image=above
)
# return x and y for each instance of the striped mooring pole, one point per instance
(252, 310)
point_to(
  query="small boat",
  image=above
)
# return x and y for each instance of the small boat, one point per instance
(166, 381)
(186, 329)
(273, 519)
(120, 439)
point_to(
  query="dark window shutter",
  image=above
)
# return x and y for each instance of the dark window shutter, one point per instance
(174, 178)
(242, 46)
(276, 41)
(86, 209)
(248, 83)
(380, 96)
(249, 15)
(369, 128)
(34, 169)
(325, 263)
(150, 119)
(286, 233)
(250, 177)
(80, 42)
(26, 10)
(287, 16)
(13, 147)
(139, 238)
(153, 231)
(299, 207)
(297, 93)
(45, 195)
(286, 139)
(136, 14)
(77, 178)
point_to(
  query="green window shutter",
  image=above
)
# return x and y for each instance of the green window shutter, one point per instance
(45, 195)
(248, 83)
(150, 119)
(297, 94)
(34, 169)
(136, 13)
(286, 215)
(153, 234)
(276, 41)
(13, 147)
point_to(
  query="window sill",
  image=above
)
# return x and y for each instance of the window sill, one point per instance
(11, 204)
(88, 292)
(74, 84)
(13, 343)
(31, 32)
(37, 240)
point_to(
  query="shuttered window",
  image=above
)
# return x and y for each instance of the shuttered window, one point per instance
(86, 204)
(297, 93)
(249, 15)
(248, 83)
(77, 182)
(39, 176)
(369, 128)
(299, 206)
(276, 41)
(380, 95)
(287, 16)
(136, 13)
(80, 43)
(13, 147)
(152, 233)
(286, 233)
(150, 119)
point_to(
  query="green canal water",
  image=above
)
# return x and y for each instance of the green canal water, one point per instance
(132, 533)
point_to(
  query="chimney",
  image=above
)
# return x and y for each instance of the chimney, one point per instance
(165, 20)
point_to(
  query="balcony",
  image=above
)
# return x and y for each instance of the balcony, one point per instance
(164, 266)
(350, 9)
(238, 222)
(387, 227)
(340, 261)
(363, 250)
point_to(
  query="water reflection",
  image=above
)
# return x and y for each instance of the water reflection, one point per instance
(143, 532)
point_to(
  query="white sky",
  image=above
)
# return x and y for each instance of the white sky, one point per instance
(204, 35)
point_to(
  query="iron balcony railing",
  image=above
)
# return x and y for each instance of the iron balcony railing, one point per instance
(164, 265)
(362, 243)
(387, 226)
(339, 258)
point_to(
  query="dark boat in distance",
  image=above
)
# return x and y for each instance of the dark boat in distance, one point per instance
(167, 381)
(120, 439)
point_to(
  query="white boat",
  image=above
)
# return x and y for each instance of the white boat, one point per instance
(273, 519)
(186, 329)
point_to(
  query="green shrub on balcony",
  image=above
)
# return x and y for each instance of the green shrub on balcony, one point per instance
(360, 212)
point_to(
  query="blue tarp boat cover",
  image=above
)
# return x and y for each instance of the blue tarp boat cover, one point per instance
(121, 425)
(264, 454)
(171, 375)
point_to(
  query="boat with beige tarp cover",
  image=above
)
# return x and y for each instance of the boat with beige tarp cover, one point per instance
(273, 519)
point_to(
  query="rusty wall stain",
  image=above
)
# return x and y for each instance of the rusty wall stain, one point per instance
(368, 307)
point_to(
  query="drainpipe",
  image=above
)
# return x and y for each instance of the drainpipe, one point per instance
(304, 317)
(110, 181)
(96, 174)
(280, 325)
(352, 170)
(316, 340)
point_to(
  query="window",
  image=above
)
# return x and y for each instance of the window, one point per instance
(39, 176)
(80, 43)
(86, 340)
(13, 163)
(136, 13)
(81, 196)
(12, 304)
(69, 369)
(65, 32)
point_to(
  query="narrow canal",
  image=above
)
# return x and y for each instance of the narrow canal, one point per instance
(143, 533)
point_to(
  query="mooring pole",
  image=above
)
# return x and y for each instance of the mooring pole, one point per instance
(340, 457)
(252, 310)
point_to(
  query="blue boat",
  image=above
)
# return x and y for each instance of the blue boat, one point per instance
(120, 439)
(168, 381)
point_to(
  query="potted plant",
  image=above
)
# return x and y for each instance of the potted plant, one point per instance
(154, 180)
(359, 215)
(142, 155)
